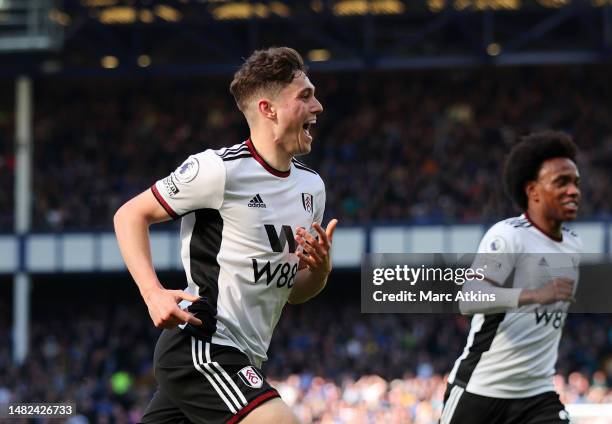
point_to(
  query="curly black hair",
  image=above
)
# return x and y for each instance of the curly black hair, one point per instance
(525, 159)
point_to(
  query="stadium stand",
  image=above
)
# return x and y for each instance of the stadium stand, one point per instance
(331, 364)
(7, 159)
(404, 147)
(429, 155)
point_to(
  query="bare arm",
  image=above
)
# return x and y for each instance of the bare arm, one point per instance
(558, 289)
(316, 255)
(132, 222)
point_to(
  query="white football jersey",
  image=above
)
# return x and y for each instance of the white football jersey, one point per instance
(513, 355)
(239, 218)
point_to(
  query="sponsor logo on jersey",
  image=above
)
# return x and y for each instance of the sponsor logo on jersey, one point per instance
(555, 317)
(171, 188)
(279, 240)
(307, 202)
(187, 171)
(283, 273)
(251, 377)
(257, 202)
(543, 262)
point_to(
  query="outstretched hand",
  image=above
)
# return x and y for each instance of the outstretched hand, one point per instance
(315, 254)
(164, 309)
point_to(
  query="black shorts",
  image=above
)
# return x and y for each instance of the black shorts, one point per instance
(461, 407)
(202, 383)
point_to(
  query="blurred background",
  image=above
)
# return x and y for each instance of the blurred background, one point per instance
(422, 98)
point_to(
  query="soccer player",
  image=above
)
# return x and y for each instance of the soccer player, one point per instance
(251, 241)
(505, 372)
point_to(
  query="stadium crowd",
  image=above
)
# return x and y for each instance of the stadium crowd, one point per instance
(329, 366)
(412, 146)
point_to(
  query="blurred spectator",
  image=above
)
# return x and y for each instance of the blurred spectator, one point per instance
(335, 366)
(406, 146)
(7, 159)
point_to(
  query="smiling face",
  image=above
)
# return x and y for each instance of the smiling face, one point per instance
(296, 109)
(555, 193)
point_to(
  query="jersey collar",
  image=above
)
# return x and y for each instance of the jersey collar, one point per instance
(267, 167)
(540, 229)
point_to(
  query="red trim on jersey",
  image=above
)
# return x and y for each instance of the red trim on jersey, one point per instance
(262, 161)
(252, 405)
(163, 202)
(540, 229)
(493, 282)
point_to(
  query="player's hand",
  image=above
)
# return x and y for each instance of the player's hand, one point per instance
(559, 289)
(315, 254)
(164, 309)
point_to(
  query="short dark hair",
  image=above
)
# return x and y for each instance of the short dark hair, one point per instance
(269, 69)
(525, 160)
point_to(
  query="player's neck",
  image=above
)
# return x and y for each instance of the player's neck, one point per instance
(550, 227)
(271, 152)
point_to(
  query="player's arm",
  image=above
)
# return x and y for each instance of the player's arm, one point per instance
(500, 249)
(315, 254)
(558, 289)
(132, 222)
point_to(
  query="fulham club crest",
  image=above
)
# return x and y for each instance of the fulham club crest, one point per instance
(251, 377)
(307, 202)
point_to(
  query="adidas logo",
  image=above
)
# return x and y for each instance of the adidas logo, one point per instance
(257, 202)
(543, 262)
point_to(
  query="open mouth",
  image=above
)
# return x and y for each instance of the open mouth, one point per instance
(307, 125)
(571, 205)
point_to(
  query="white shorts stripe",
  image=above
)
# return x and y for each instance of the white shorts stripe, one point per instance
(208, 358)
(447, 406)
(208, 368)
(225, 375)
(231, 382)
(210, 380)
(451, 405)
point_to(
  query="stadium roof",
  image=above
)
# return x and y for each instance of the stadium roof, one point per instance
(211, 36)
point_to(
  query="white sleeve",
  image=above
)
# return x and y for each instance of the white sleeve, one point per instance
(497, 253)
(505, 299)
(319, 204)
(198, 183)
(496, 259)
(319, 210)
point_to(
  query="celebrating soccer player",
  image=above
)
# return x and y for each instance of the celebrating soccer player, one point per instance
(505, 372)
(251, 241)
